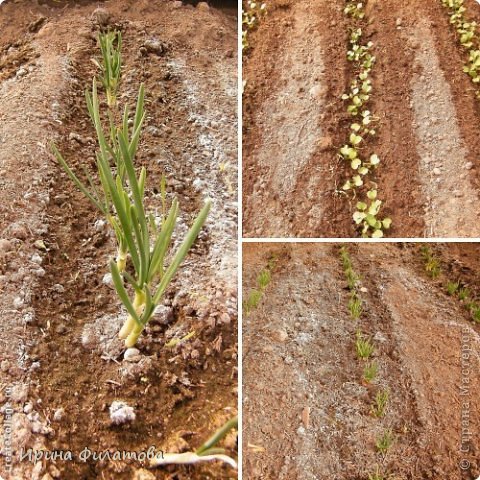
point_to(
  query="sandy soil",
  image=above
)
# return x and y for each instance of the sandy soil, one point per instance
(426, 106)
(61, 364)
(307, 409)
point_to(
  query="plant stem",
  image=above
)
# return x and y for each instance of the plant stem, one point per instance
(121, 260)
(130, 324)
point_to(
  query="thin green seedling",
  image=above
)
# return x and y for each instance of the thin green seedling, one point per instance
(111, 65)
(376, 475)
(380, 404)
(355, 306)
(370, 371)
(208, 451)
(385, 441)
(463, 293)
(252, 300)
(109, 154)
(264, 278)
(476, 313)
(363, 346)
(452, 287)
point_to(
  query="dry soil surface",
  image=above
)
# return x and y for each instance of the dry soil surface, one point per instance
(308, 410)
(295, 121)
(62, 365)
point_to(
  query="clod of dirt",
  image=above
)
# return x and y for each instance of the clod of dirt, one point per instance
(101, 335)
(203, 6)
(163, 315)
(101, 17)
(143, 474)
(58, 414)
(121, 412)
(155, 46)
(37, 24)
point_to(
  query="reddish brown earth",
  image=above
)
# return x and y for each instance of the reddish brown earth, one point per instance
(295, 121)
(299, 356)
(58, 346)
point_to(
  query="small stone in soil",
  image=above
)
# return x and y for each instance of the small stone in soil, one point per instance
(121, 412)
(155, 46)
(132, 355)
(58, 415)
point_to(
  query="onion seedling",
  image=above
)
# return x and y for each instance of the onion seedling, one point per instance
(381, 402)
(384, 443)
(370, 371)
(111, 66)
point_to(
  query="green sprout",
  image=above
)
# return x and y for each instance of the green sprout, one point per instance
(452, 287)
(370, 371)
(252, 13)
(385, 442)
(110, 46)
(463, 293)
(140, 237)
(207, 452)
(363, 346)
(380, 404)
(355, 306)
(264, 278)
(476, 313)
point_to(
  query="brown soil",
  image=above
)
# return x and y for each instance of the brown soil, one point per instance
(307, 410)
(58, 343)
(426, 133)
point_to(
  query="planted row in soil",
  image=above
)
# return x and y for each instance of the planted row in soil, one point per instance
(310, 412)
(62, 364)
(294, 121)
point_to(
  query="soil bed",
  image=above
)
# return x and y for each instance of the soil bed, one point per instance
(295, 124)
(307, 405)
(58, 347)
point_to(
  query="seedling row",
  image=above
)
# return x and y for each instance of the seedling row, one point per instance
(365, 351)
(367, 214)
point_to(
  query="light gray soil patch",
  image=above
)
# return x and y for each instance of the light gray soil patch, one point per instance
(452, 203)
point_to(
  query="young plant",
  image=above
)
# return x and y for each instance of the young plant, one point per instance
(252, 301)
(380, 404)
(252, 12)
(370, 371)
(355, 306)
(363, 346)
(463, 293)
(432, 264)
(139, 236)
(452, 287)
(264, 278)
(476, 313)
(207, 452)
(385, 442)
(111, 66)
(367, 217)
